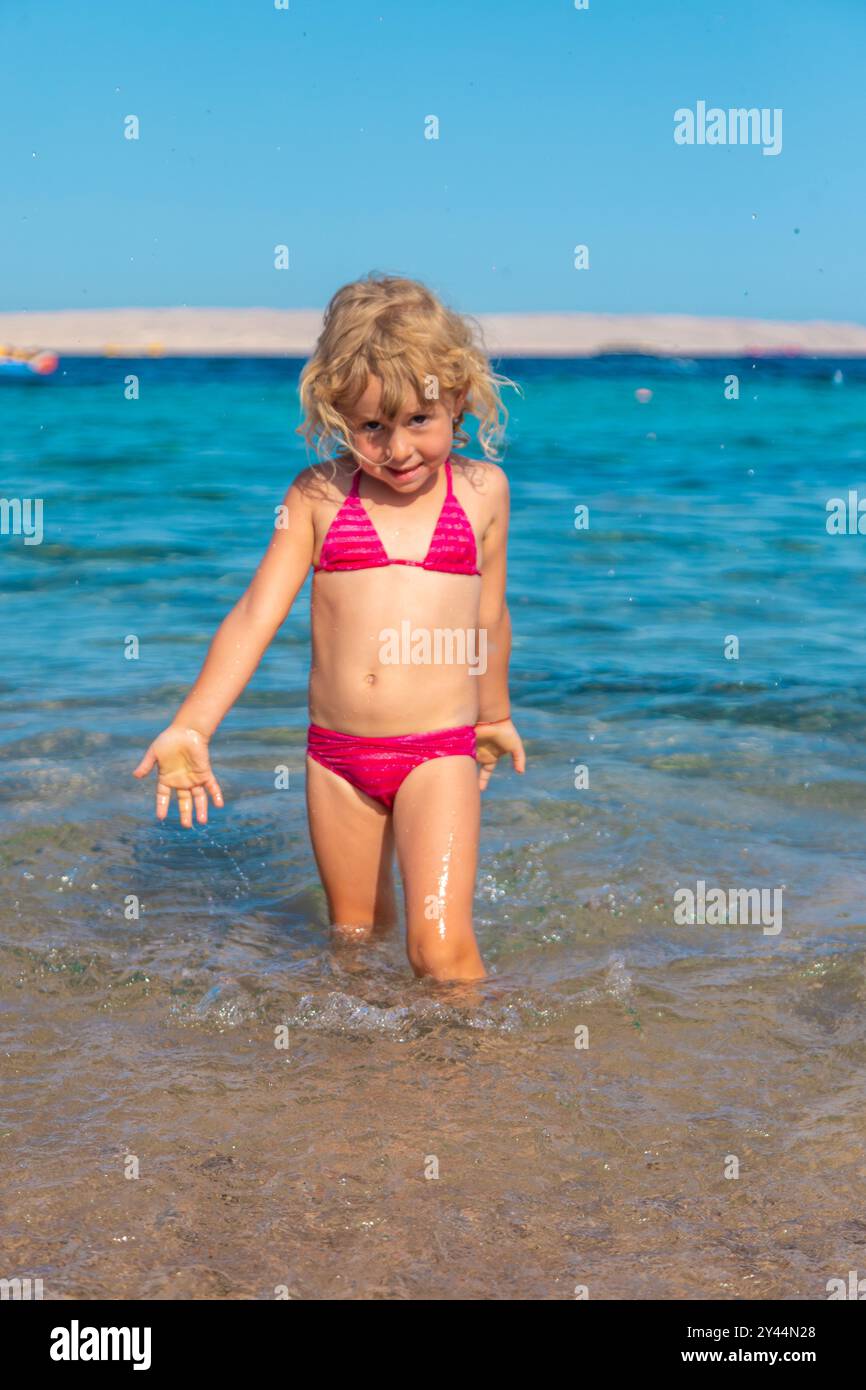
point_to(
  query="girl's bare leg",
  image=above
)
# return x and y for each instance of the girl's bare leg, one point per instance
(437, 815)
(353, 841)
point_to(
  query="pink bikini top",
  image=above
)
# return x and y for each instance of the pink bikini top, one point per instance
(352, 542)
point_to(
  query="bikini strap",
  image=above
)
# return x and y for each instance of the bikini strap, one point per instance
(356, 483)
(450, 492)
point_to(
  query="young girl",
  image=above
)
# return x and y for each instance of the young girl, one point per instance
(410, 630)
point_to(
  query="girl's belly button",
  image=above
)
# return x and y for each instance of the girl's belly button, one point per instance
(370, 679)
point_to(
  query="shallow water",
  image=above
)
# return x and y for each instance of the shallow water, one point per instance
(309, 1165)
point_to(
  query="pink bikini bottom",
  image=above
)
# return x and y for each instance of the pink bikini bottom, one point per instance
(379, 766)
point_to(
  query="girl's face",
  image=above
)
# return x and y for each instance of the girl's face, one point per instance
(407, 451)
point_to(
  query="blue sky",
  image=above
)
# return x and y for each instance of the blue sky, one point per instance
(306, 127)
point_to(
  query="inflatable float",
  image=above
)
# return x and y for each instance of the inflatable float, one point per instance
(26, 366)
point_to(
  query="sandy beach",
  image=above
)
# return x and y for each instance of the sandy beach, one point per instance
(188, 332)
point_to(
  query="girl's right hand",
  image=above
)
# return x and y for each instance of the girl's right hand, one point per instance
(182, 756)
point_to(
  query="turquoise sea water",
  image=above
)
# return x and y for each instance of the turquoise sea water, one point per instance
(707, 519)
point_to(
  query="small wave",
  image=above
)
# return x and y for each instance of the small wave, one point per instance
(345, 1014)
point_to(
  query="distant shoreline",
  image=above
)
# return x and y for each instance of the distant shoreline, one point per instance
(292, 333)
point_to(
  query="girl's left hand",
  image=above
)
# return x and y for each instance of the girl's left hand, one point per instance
(494, 741)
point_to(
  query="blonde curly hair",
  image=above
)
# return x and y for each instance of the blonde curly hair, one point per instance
(398, 331)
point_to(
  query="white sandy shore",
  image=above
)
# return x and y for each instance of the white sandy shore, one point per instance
(292, 332)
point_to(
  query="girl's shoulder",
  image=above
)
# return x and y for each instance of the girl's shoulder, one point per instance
(324, 484)
(486, 478)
